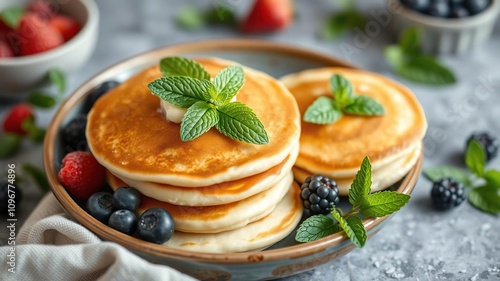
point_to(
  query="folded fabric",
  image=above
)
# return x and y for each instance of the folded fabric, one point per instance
(51, 246)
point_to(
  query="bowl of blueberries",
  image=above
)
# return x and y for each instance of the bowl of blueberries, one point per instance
(447, 26)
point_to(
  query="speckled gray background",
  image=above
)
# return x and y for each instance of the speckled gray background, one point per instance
(418, 243)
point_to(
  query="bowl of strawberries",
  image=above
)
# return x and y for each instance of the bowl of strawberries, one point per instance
(37, 36)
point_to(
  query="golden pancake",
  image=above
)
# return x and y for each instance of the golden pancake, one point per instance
(254, 236)
(216, 194)
(213, 219)
(339, 148)
(382, 178)
(129, 135)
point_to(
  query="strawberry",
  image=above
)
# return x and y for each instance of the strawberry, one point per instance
(36, 35)
(6, 50)
(15, 117)
(67, 26)
(81, 174)
(268, 15)
(4, 30)
(43, 8)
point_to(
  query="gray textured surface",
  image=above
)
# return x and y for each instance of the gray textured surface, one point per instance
(418, 243)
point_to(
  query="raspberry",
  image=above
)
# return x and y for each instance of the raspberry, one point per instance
(490, 143)
(319, 194)
(447, 193)
(15, 118)
(81, 174)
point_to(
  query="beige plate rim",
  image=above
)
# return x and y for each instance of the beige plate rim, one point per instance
(137, 245)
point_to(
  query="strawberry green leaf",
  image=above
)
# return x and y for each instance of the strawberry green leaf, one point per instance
(11, 16)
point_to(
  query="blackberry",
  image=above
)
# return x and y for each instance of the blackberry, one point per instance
(98, 92)
(73, 134)
(490, 144)
(319, 195)
(447, 193)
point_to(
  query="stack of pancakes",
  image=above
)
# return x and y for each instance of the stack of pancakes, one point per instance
(224, 195)
(393, 142)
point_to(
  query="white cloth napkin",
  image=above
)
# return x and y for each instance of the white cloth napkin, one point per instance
(51, 246)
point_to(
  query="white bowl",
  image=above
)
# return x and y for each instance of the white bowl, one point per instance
(19, 74)
(444, 35)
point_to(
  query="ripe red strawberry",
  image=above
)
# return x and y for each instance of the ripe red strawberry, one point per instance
(81, 174)
(269, 15)
(36, 36)
(4, 30)
(46, 9)
(67, 26)
(6, 50)
(15, 117)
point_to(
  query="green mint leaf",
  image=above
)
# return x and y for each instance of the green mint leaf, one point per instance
(342, 90)
(410, 41)
(394, 55)
(316, 227)
(34, 133)
(475, 157)
(364, 106)
(322, 111)
(358, 228)
(191, 18)
(436, 173)
(11, 16)
(178, 66)
(361, 186)
(353, 234)
(199, 118)
(485, 199)
(41, 100)
(341, 23)
(228, 82)
(426, 70)
(180, 90)
(492, 178)
(221, 15)
(58, 79)
(238, 121)
(9, 145)
(383, 203)
(38, 176)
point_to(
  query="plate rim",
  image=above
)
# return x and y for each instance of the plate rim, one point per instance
(108, 234)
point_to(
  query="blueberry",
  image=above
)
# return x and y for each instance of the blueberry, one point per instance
(439, 9)
(73, 134)
(319, 195)
(100, 206)
(155, 225)
(15, 194)
(417, 5)
(490, 143)
(447, 193)
(459, 11)
(124, 221)
(476, 6)
(98, 92)
(126, 198)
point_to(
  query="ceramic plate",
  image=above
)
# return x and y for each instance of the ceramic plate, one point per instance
(283, 259)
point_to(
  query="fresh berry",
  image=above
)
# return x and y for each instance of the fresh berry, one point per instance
(15, 117)
(417, 5)
(45, 9)
(155, 225)
(4, 31)
(439, 9)
(490, 144)
(98, 92)
(6, 50)
(319, 195)
(124, 221)
(15, 195)
(81, 174)
(476, 6)
(73, 134)
(127, 198)
(100, 206)
(447, 193)
(67, 26)
(268, 15)
(36, 35)
(459, 11)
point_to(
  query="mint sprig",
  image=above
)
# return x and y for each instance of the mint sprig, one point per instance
(410, 63)
(325, 110)
(187, 85)
(484, 184)
(364, 205)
